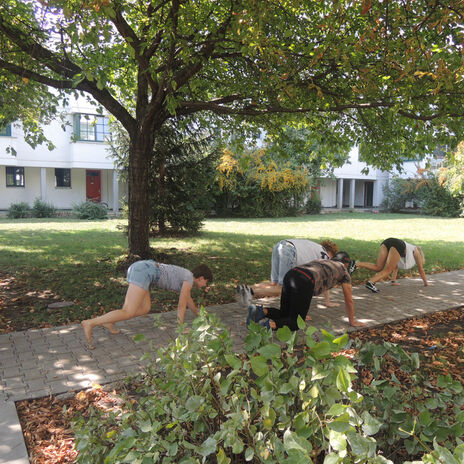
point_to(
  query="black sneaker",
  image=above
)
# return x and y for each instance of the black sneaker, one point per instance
(352, 266)
(370, 286)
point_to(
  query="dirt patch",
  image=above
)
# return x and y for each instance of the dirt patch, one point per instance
(18, 303)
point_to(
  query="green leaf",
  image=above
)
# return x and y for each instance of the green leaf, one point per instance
(284, 334)
(249, 454)
(341, 424)
(321, 350)
(139, 338)
(431, 403)
(343, 380)
(207, 447)
(341, 341)
(270, 351)
(259, 365)
(370, 424)
(332, 458)
(233, 361)
(336, 409)
(425, 418)
(194, 403)
(122, 445)
(444, 455)
(222, 458)
(337, 440)
(301, 323)
(293, 441)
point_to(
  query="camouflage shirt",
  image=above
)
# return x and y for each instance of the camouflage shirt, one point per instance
(326, 274)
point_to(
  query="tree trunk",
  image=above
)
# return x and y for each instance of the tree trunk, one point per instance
(161, 197)
(141, 150)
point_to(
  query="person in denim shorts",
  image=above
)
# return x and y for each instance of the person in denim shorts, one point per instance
(146, 274)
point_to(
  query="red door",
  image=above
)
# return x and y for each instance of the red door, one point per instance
(93, 185)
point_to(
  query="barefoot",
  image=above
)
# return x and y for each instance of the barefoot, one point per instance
(88, 333)
(396, 284)
(111, 329)
(308, 318)
(332, 305)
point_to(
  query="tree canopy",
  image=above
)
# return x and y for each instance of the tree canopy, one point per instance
(386, 75)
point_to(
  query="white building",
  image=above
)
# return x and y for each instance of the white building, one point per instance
(79, 168)
(352, 189)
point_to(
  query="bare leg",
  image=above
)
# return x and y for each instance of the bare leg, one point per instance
(111, 328)
(393, 259)
(137, 303)
(381, 260)
(266, 289)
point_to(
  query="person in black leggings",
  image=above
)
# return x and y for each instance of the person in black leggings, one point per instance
(300, 284)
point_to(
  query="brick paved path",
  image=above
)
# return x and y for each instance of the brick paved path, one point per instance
(41, 362)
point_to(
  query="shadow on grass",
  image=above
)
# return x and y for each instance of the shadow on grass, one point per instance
(80, 265)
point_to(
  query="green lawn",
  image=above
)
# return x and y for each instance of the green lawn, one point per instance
(65, 259)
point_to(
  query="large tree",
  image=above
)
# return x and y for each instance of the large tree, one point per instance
(387, 75)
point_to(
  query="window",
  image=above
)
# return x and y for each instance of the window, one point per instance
(5, 130)
(14, 176)
(91, 127)
(62, 177)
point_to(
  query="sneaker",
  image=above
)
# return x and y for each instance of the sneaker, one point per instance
(265, 323)
(255, 314)
(352, 266)
(259, 313)
(251, 311)
(244, 295)
(370, 286)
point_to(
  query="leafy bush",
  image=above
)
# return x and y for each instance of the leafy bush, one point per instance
(19, 210)
(41, 209)
(90, 210)
(253, 185)
(436, 200)
(397, 192)
(414, 411)
(313, 204)
(199, 401)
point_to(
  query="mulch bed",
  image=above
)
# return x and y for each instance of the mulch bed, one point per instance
(46, 422)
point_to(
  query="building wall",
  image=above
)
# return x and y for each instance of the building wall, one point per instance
(328, 193)
(68, 153)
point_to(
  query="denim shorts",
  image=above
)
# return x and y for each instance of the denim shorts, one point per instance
(143, 274)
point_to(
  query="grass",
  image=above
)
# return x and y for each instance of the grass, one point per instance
(60, 259)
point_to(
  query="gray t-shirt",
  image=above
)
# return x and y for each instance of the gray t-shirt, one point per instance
(172, 277)
(307, 251)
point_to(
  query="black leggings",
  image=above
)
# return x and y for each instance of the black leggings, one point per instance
(297, 292)
(396, 243)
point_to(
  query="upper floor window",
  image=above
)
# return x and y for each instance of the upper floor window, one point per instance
(91, 127)
(5, 130)
(14, 176)
(62, 177)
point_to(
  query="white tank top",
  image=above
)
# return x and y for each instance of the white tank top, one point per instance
(408, 261)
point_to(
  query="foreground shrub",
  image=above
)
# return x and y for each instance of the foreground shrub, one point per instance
(438, 201)
(313, 204)
(90, 210)
(201, 402)
(41, 209)
(19, 210)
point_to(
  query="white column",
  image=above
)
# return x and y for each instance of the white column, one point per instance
(340, 194)
(352, 190)
(115, 192)
(43, 184)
